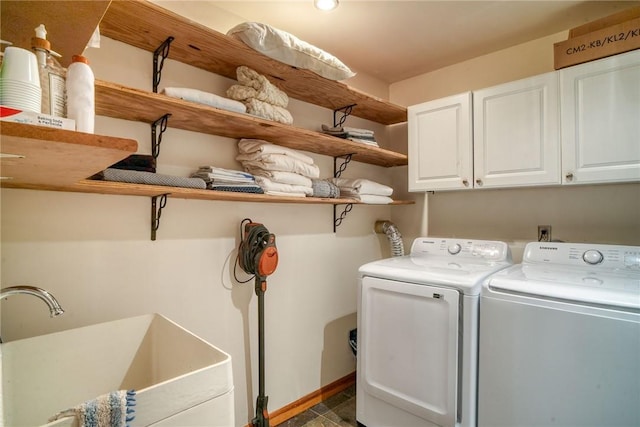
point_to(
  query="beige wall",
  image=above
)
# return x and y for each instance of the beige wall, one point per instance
(599, 214)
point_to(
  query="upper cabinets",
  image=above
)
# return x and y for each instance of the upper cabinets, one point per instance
(578, 125)
(600, 104)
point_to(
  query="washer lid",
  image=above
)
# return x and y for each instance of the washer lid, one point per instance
(617, 288)
(464, 276)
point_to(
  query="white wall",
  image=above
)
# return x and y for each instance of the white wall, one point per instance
(93, 252)
(597, 213)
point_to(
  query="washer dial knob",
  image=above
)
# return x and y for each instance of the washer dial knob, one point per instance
(454, 249)
(593, 257)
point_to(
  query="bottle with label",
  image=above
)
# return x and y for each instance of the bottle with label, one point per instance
(52, 75)
(81, 94)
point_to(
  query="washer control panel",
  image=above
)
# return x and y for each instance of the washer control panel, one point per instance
(484, 249)
(584, 254)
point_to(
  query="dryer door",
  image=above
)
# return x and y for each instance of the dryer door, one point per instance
(408, 337)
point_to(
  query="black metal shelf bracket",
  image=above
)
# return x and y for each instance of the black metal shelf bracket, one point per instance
(337, 170)
(337, 219)
(159, 55)
(345, 111)
(156, 139)
(156, 213)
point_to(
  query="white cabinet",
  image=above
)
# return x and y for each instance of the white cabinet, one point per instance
(516, 136)
(440, 144)
(601, 120)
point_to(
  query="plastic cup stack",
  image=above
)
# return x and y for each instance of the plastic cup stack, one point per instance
(20, 80)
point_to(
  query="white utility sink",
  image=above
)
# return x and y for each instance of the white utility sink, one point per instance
(171, 370)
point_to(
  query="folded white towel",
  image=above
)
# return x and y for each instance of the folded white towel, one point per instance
(283, 177)
(259, 147)
(374, 199)
(361, 186)
(268, 185)
(201, 97)
(285, 194)
(278, 162)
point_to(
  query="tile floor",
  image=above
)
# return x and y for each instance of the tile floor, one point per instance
(338, 410)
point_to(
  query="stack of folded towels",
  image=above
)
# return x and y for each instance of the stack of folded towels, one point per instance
(227, 180)
(364, 190)
(364, 136)
(260, 96)
(278, 170)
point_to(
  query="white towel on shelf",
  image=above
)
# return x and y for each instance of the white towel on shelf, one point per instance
(268, 185)
(259, 147)
(283, 177)
(278, 162)
(358, 186)
(284, 194)
(206, 98)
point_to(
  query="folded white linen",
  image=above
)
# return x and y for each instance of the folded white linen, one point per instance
(374, 199)
(268, 185)
(201, 97)
(283, 177)
(361, 186)
(284, 194)
(278, 162)
(259, 147)
(268, 111)
(363, 141)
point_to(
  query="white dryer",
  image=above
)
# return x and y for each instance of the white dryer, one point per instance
(560, 338)
(418, 331)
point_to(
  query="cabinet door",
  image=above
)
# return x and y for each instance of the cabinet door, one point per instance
(516, 133)
(440, 144)
(601, 120)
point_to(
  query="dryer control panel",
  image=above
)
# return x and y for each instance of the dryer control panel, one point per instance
(483, 249)
(584, 254)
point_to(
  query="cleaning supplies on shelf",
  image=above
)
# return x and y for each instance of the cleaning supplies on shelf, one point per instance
(52, 75)
(81, 94)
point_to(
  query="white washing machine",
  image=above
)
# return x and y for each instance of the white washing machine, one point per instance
(560, 338)
(418, 331)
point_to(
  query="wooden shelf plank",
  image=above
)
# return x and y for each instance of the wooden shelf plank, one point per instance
(122, 102)
(146, 26)
(50, 156)
(126, 189)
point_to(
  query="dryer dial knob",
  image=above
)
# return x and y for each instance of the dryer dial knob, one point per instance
(454, 249)
(593, 257)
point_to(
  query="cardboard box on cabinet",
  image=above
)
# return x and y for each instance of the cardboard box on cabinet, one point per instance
(608, 36)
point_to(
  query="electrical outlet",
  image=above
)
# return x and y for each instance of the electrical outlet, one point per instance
(544, 233)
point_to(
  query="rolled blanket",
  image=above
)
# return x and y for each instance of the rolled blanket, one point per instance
(268, 185)
(115, 409)
(138, 177)
(278, 162)
(268, 111)
(259, 147)
(206, 98)
(354, 187)
(266, 90)
(324, 188)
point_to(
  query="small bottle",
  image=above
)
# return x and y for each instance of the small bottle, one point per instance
(81, 94)
(52, 75)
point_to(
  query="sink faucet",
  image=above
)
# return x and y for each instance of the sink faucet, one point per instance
(54, 306)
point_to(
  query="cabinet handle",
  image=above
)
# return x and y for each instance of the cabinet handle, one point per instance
(479, 181)
(465, 182)
(569, 176)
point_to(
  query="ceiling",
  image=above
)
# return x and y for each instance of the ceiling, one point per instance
(395, 40)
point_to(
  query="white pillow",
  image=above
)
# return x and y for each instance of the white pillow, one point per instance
(284, 47)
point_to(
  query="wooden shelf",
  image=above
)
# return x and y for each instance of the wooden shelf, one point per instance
(48, 156)
(126, 189)
(146, 26)
(121, 102)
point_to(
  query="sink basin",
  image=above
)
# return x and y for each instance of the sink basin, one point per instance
(171, 369)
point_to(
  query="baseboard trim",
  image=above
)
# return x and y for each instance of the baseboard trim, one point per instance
(305, 402)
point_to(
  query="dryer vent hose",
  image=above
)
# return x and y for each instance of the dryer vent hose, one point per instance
(393, 234)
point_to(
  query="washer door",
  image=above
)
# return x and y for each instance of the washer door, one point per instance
(409, 342)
